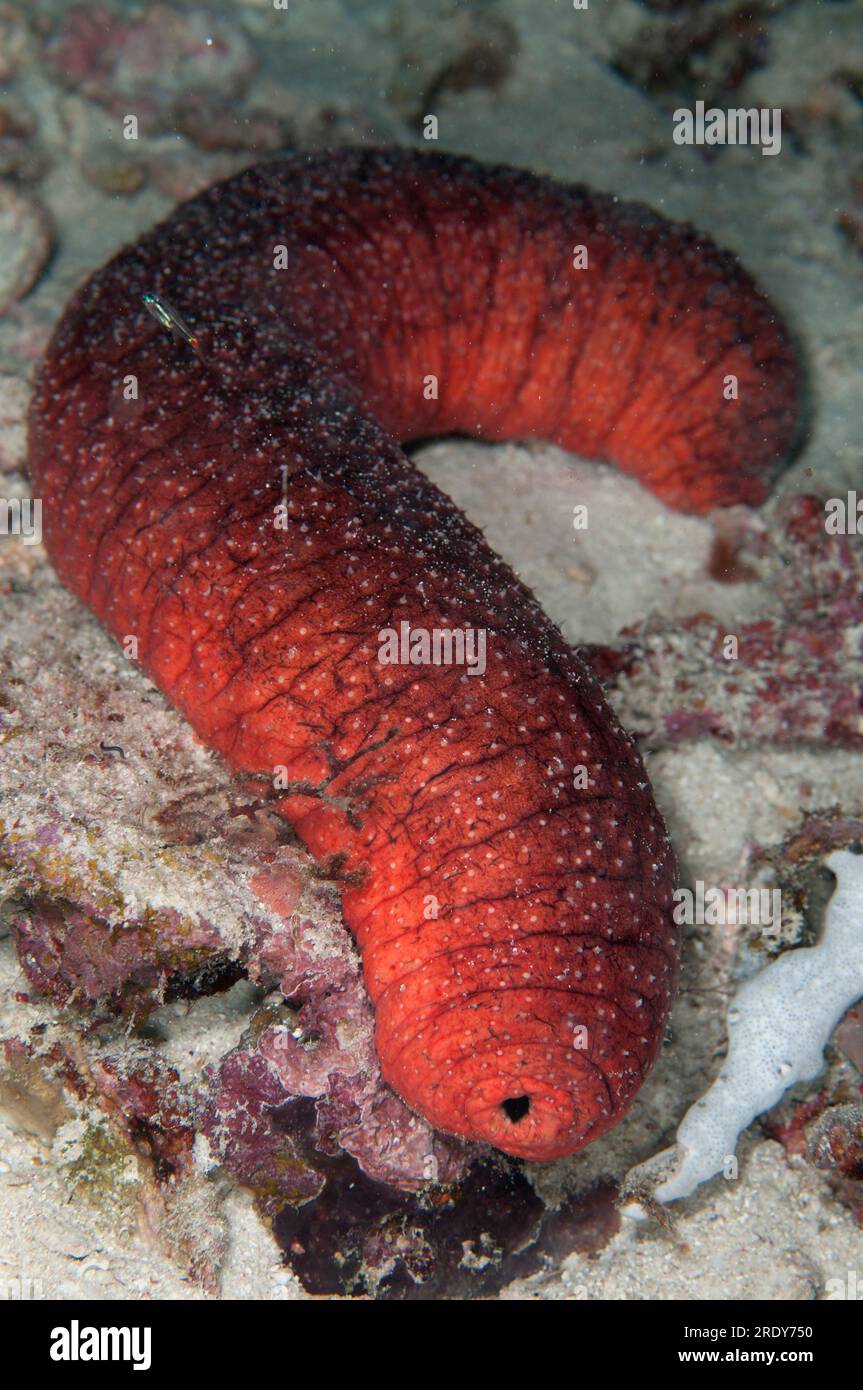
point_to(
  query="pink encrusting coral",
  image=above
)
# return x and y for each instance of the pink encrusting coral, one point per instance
(152, 62)
(793, 676)
(191, 885)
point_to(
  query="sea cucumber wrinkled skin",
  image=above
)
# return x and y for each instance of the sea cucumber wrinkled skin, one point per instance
(515, 924)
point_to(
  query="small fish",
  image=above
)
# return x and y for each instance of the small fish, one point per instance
(170, 319)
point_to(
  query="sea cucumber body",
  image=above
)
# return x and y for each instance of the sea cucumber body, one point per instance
(514, 923)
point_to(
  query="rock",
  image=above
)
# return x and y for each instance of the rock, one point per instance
(26, 239)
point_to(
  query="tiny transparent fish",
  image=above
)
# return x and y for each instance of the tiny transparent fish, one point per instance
(170, 319)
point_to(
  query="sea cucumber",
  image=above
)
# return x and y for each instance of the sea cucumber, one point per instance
(232, 502)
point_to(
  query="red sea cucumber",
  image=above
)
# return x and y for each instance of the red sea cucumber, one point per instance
(512, 911)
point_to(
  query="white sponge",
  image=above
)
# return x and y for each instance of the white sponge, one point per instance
(778, 1024)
